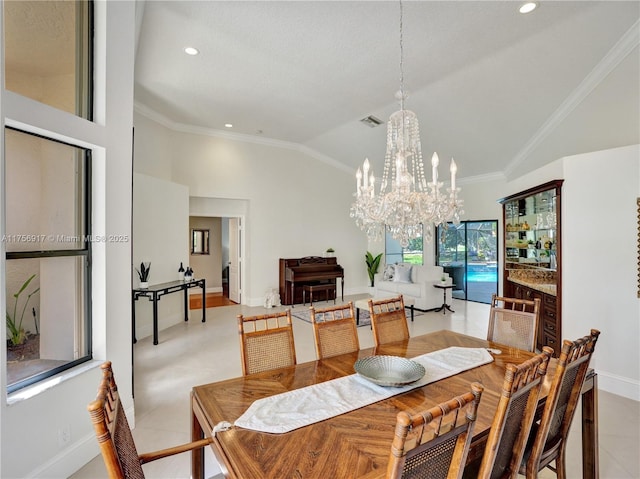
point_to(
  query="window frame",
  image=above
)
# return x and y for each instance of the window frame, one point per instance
(84, 251)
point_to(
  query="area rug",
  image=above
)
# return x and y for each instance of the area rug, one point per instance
(303, 313)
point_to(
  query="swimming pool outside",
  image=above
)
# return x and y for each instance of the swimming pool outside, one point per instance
(481, 273)
(478, 283)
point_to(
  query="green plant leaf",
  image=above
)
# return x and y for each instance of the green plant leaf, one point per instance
(372, 265)
(25, 285)
(17, 333)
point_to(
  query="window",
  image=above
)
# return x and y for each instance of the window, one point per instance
(469, 253)
(48, 257)
(48, 57)
(395, 253)
(48, 53)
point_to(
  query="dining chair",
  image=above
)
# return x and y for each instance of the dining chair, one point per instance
(513, 418)
(434, 444)
(266, 342)
(388, 320)
(114, 436)
(548, 438)
(335, 330)
(514, 322)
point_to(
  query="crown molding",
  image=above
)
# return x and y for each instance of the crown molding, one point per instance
(623, 47)
(227, 135)
(305, 150)
(484, 178)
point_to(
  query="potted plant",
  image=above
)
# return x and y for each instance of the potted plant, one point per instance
(329, 252)
(143, 274)
(372, 265)
(17, 335)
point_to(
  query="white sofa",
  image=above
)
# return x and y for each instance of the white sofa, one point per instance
(420, 287)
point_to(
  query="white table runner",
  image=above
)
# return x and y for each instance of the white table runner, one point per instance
(301, 407)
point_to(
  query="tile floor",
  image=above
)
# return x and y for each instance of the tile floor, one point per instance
(195, 353)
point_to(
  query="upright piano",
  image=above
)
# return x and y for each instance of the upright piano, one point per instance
(296, 272)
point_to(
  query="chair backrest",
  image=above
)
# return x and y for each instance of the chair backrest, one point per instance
(266, 342)
(434, 444)
(335, 330)
(514, 416)
(388, 320)
(562, 400)
(514, 322)
(112, 430)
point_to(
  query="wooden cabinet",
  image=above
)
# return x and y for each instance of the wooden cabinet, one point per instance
(548, 327)
(532, 266)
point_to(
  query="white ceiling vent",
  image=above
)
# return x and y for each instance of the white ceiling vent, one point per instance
(371, 121)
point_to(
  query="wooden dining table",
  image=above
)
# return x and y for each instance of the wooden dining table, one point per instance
(355, 444)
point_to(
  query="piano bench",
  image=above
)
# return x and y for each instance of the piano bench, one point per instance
(313, 288)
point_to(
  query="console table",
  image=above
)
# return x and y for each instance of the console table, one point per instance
(155, 291)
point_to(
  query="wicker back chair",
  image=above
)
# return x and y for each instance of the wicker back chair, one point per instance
(335, 330)
(434, 444)
(266, 342)
(514, 322)
(551, 433)
(114, 435)
(388, 320)
(514, 416)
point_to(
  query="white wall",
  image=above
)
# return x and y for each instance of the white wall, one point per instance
(29, 427)
(294, 205)
(153, 151)
(160, 226)
(481, 200)
(600, 262)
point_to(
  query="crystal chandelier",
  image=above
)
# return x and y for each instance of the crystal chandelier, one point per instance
(405, 201)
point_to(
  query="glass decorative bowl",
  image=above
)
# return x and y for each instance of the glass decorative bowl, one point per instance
(391, 371)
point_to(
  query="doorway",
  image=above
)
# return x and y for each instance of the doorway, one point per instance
(231, 213)
(468, 252)
(220, 262)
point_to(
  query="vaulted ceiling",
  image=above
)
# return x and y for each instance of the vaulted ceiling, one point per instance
(501, 92)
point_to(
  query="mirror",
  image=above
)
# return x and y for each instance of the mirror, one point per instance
(199, 241)
(531, 231)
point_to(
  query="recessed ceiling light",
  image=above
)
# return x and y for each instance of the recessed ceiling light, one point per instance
(228, 125)
(191, 51)
(528, 7)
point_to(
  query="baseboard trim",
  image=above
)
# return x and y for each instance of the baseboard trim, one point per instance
(73, 458)
(70, 460)
(619, 385)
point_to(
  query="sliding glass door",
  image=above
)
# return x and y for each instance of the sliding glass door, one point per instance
(469, 253)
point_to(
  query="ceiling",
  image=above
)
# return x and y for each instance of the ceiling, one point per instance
(501, 92)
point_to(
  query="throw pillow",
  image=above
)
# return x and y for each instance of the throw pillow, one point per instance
(403, 274)
(388, 273)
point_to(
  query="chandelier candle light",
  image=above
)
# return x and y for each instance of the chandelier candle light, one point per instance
(405, 201)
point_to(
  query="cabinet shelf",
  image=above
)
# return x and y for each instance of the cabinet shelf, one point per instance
(538, 209)
(532, 230)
